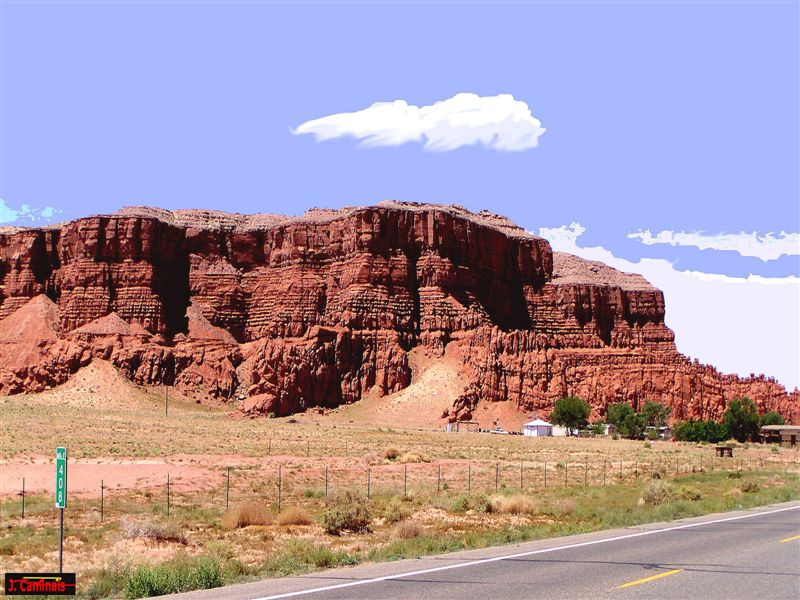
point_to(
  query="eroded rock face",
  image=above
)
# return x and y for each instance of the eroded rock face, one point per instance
(293, 312)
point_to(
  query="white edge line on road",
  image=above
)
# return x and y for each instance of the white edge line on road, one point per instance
(513, 556)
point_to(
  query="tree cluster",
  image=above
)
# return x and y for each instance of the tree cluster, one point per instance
(741, 422)
(633, 425)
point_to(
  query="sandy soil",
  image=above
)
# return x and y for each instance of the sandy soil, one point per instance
(436, 382)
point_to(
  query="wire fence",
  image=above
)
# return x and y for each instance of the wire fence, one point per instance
(290, 484)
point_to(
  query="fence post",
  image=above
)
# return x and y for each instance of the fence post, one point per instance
(269, 447)
(636, 470)
(620, 469)
(586, 473)
(280, 487)
(23, 497)
(545, 473)
(469, 479)
(167, 494)
(102, 487)
(566, 470)
(604, 471)
(308, 447)
(496, 477)
(405, 481)
(227, 488)
(521, 487)
(326, 481)
(369, 481)
(677, 467)
(439, 480)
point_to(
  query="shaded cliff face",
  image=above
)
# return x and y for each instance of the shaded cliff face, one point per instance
(293, 312)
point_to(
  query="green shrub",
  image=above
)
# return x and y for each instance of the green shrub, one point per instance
(460, 504)
(299, 556)
(735, 475)
(689, 493)
(657, 492)
(347, 511)
(108, 583)
(749, 487)
(182, 574)
(395, 511)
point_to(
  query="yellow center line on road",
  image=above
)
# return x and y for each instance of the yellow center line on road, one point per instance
(790, 539)
(646, 579)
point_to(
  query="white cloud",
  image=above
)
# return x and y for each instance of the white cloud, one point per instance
(740, 325)
(498, 122)
(766, 247)
(26, 214)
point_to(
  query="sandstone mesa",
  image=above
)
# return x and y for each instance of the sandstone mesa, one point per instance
(289, 313)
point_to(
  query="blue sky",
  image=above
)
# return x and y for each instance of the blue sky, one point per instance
(661, 116)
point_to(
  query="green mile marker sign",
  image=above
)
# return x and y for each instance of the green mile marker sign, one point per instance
(61, 477)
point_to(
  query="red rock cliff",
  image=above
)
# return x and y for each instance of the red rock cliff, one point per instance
(293, 312)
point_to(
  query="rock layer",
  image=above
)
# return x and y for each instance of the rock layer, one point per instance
(286, 313)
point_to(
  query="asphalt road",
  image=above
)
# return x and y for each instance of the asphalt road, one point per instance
(746, 554)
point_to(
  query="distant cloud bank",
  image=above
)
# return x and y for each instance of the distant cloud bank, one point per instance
(25, 214)
(739, 325)
(766, 247)
(497, 122)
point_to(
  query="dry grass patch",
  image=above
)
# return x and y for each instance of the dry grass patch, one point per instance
(245, 515)
(294, 515)
(413, 457)
(156, 531)
(513, 505)
(407, 530)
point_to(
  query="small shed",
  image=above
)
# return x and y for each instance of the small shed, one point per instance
(537, 428)
(786, 435)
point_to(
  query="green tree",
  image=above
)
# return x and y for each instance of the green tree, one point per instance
(742, 419)
(618, 412)
(772, 418)
(656, 414)
(571, 412)
(633, 427)
(700, 431)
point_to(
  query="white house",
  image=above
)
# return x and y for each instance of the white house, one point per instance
(537, 428)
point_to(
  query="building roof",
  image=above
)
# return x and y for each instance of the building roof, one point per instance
(781, 428)
(538, 423)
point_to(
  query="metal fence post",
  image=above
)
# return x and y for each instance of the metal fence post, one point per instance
(586, 473)
(227, 488)
(521, 487)
(545, 473)
(405, 481)
(326, 481)
(22, 493)
(496, 477)
(566, 470)
(469, 479)
(604, 471)
(280, 487)
(168, 494)
(439, 479)
(102, 487)
(369, 481)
